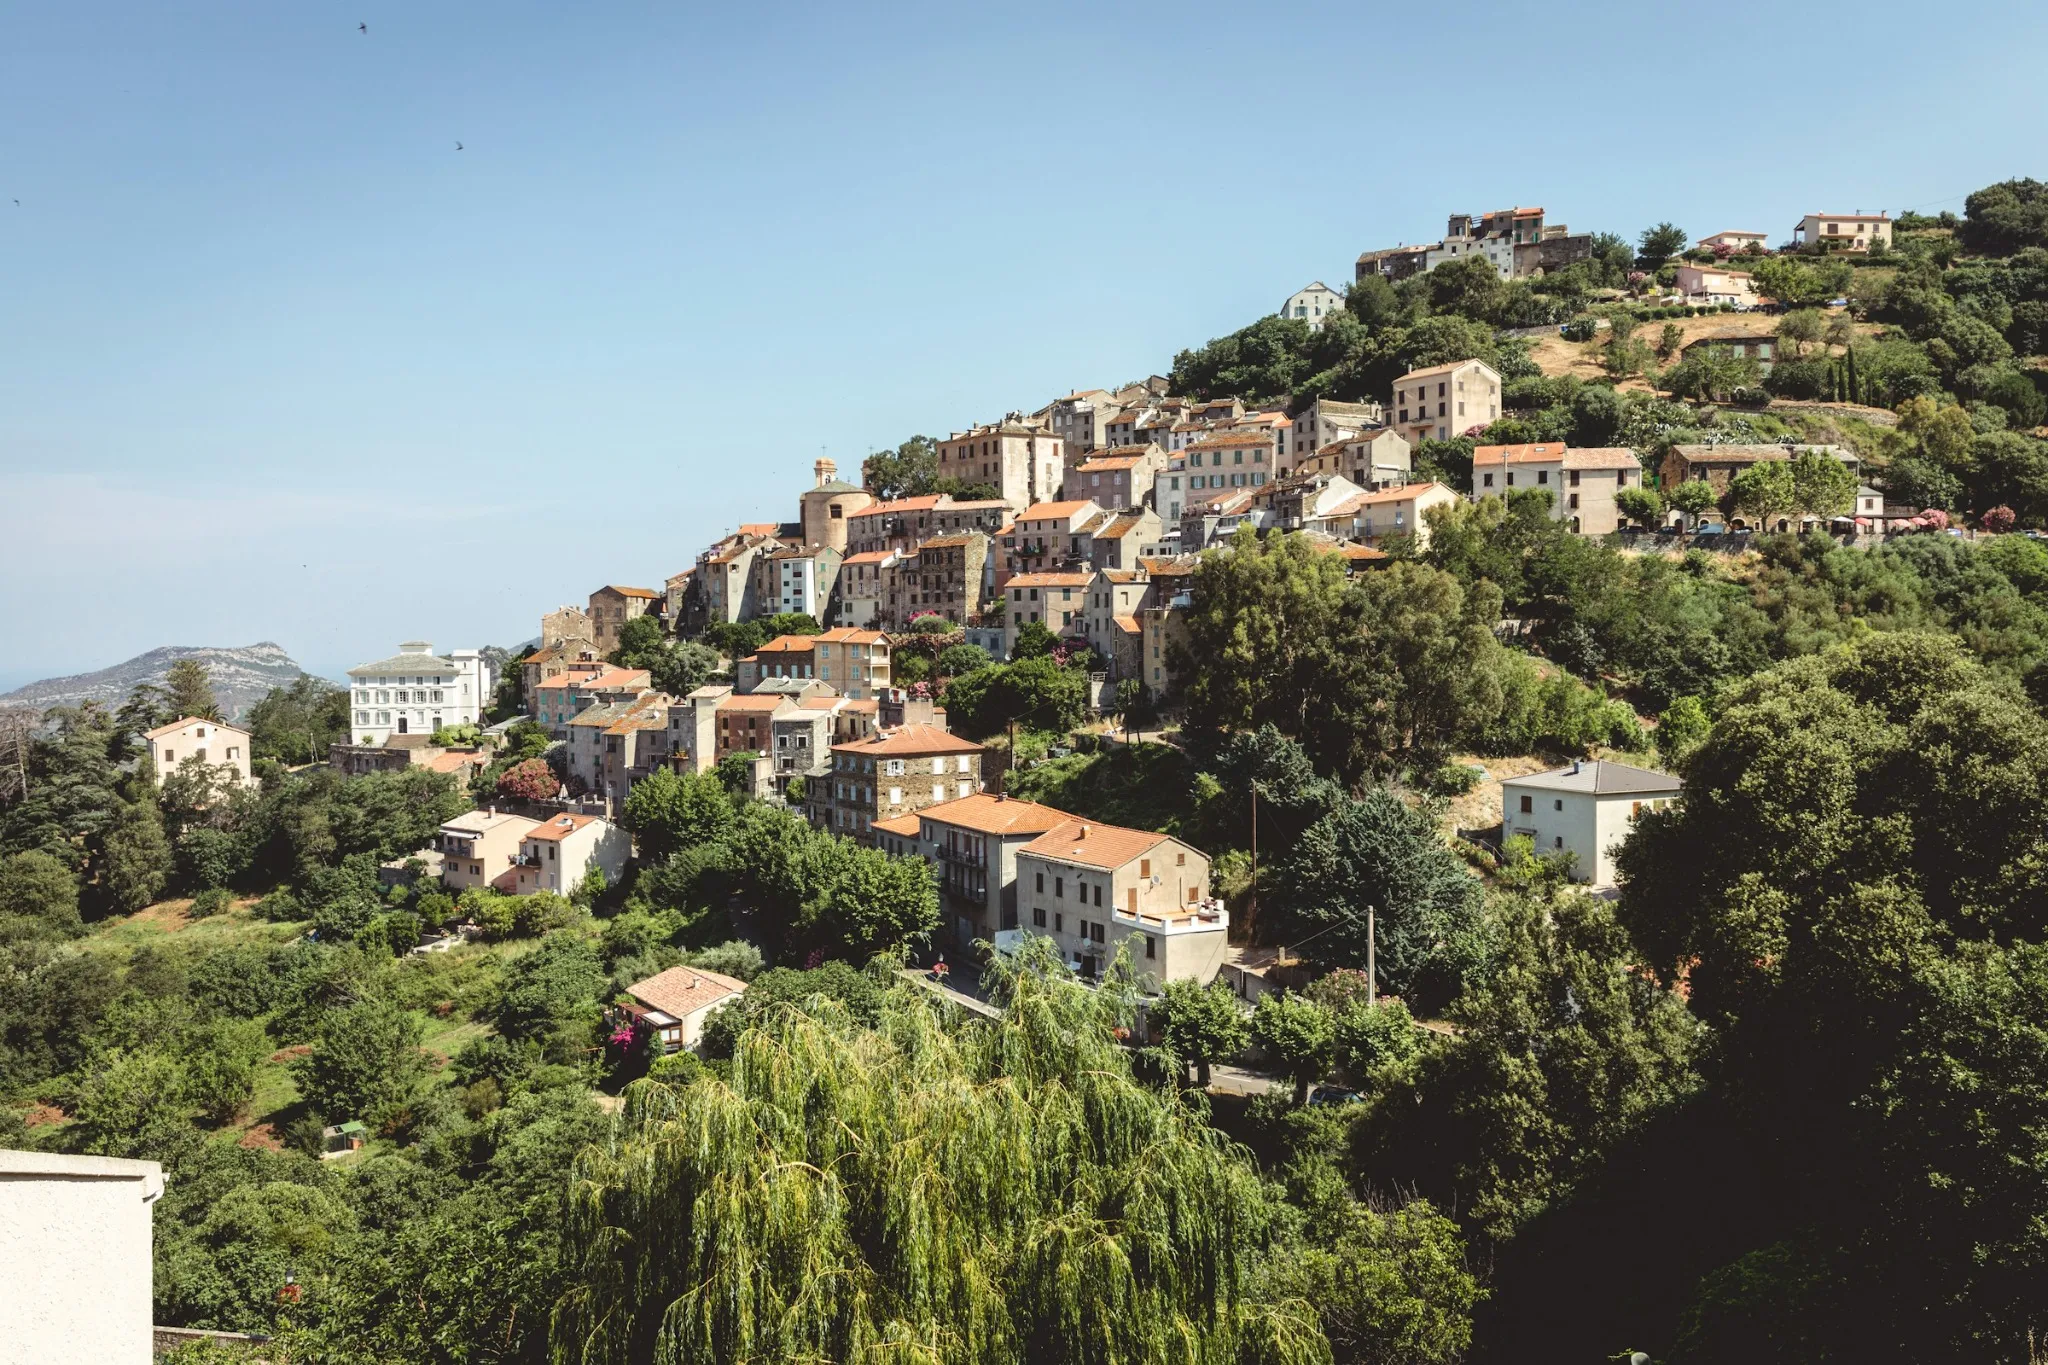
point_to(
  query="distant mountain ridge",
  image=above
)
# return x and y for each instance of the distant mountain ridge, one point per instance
(241, 677)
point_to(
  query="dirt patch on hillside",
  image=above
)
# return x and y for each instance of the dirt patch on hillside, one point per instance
(285, 1054)
(171, 916)
(1480, 807)
(262, 1137)
(43, 1116)
(1581, 359)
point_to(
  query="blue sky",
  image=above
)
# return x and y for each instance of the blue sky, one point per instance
(278, 362)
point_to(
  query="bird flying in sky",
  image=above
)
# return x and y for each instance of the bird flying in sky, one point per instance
(458, 146)
(362, 28)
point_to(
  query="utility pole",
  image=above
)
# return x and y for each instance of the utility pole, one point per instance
(1252, 910)
(1372, 976)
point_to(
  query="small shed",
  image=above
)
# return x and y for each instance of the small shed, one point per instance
(342, 1138)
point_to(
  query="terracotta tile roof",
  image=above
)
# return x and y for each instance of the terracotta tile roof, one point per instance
(177, 725)
(1108, 464)
(817, 703)
(1601, 457)
(1093, 844)
(1546, 452)
(948, 542)
(910, 739)
(618, 678)
(455, 760)
(903, 826)
(867, 557)
(1052, 511)
(629, 592)
(1050, 580)
(754, 701)
(786, 644)
(1233, 440)
(1128, 624)
(847, 635)
(987, 813)
(556, 828)
(759, 528)
(1119, 527)
(1123, 575)
(682, 991)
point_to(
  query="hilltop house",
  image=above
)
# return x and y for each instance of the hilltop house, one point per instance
(193, 740)
(417, 692)
(1584, 810)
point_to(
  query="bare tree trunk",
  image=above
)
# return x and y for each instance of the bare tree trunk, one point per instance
(17, 730)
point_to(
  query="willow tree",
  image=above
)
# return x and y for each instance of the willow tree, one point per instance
(927, 1190)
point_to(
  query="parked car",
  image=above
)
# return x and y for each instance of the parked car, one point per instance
(1334, 1094)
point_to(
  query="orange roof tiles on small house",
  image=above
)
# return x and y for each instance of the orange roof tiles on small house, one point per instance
(909, 740)
(786, 644)
(903, 826)
(987, 813)
(559, 827)
(1108, 464)
(1050, 580)
(631, 592)
(867, 557)
(1098, 845)
(1051, 511)
(849, 635)
(753, 701)
(613, 678)
(682, 991)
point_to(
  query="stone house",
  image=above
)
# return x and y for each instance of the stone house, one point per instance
(893, 773)
(612, 606)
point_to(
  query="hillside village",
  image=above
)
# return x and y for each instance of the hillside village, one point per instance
(1430, 723)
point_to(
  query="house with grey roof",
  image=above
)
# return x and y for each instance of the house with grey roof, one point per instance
(417, 692)
(1586, 810)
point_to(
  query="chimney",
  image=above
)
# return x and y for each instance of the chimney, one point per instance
(1084, 831)
(1575, 767)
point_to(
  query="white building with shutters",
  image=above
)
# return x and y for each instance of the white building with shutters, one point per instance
(416, 692)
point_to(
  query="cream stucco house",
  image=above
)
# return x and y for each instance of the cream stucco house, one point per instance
(193, 740)
(559, 853)
(1091, 886)
(480, 847)
(1443, 401)
(1585, 810)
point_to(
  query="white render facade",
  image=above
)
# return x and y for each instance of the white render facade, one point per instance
(415, 692)
(1312, 304)
(1586, 810)
(75, 1257)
